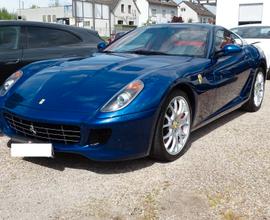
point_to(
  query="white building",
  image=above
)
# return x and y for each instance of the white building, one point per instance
(125, 12)
(207, 2)
(156, 11)
(48, 14)
(231, 13)
(192, 12)
(93, 15)
(106, 16)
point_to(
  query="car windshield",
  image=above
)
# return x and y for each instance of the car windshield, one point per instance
(253, 32)
(174, 40)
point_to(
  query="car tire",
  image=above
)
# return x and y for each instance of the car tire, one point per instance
(257, 94)
(173, 128)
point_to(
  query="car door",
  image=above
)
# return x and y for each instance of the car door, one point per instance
(44, 43)
(231, 72)
(10, 51)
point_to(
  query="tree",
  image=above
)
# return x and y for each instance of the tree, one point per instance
(176, 19)
(34, 6)
(5, 15)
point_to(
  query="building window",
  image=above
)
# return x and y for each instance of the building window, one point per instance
(87, 10)
(79, 9)
(154, 12)
(44, 18)
(163, 13)
(123, 8)
(105, 12)
(129, 9)
(172, 13)
(131, 23)
(183, 9)
(120, 22)
(54, 18)
(98, 10)
(49, 19)
(86, 23)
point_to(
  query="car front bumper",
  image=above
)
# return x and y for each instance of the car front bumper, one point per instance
(130, 138)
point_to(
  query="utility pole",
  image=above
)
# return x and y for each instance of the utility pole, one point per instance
(94, 14)
(20, 13)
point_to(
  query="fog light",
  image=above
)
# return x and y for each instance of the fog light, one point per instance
(99, 136)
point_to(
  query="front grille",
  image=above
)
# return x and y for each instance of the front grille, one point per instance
(49, 133)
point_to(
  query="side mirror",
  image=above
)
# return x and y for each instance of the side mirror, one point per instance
(231, 48)
(228, 50)
(101, 46)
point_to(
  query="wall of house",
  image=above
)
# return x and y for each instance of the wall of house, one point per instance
(102, 27)
(187, 13)
(160, 17)
(127, 17)
(143, 6)
(205, 19)
(43, 14)
(228, 12)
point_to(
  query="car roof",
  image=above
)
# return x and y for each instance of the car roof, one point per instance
(210, 26)
(82, 32)
(251, 25)
(43, 24)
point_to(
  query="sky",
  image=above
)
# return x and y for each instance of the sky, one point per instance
(13, 5)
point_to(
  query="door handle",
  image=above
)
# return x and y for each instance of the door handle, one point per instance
(13, 62)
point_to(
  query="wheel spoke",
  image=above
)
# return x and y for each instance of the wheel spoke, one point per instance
(173, 144)
(167, 144)
(166, 125)
(168, 118)
(184, 119)
(180, 105)
(175, 106)
(173, 116)
(168, 135)
(176, 148)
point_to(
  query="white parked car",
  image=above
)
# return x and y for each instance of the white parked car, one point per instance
(259, 35)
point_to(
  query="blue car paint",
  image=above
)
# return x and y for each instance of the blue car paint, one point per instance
(76, 89)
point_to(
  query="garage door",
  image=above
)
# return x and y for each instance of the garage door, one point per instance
(250, 13)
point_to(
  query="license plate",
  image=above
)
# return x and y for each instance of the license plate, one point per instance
(31, 150)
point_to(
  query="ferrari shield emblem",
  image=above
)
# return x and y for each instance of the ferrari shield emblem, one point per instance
(200, 78)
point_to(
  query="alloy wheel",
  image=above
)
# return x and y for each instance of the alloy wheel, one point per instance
(259, 89)
(176, 125)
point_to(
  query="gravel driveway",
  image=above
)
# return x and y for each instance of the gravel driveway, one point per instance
(224, 175)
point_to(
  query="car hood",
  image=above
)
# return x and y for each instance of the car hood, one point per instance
(85, 85)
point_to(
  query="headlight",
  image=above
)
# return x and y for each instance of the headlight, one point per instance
(10, 82)
(124, 97)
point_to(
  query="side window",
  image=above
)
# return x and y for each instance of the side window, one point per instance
(224, 37)
(94, 38)
(9, 38)
(237, 40)
(39, 37)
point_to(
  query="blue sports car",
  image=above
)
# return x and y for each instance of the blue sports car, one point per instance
(141, 95)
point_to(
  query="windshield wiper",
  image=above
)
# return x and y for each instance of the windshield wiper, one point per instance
(107, 51)
(147, 52)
